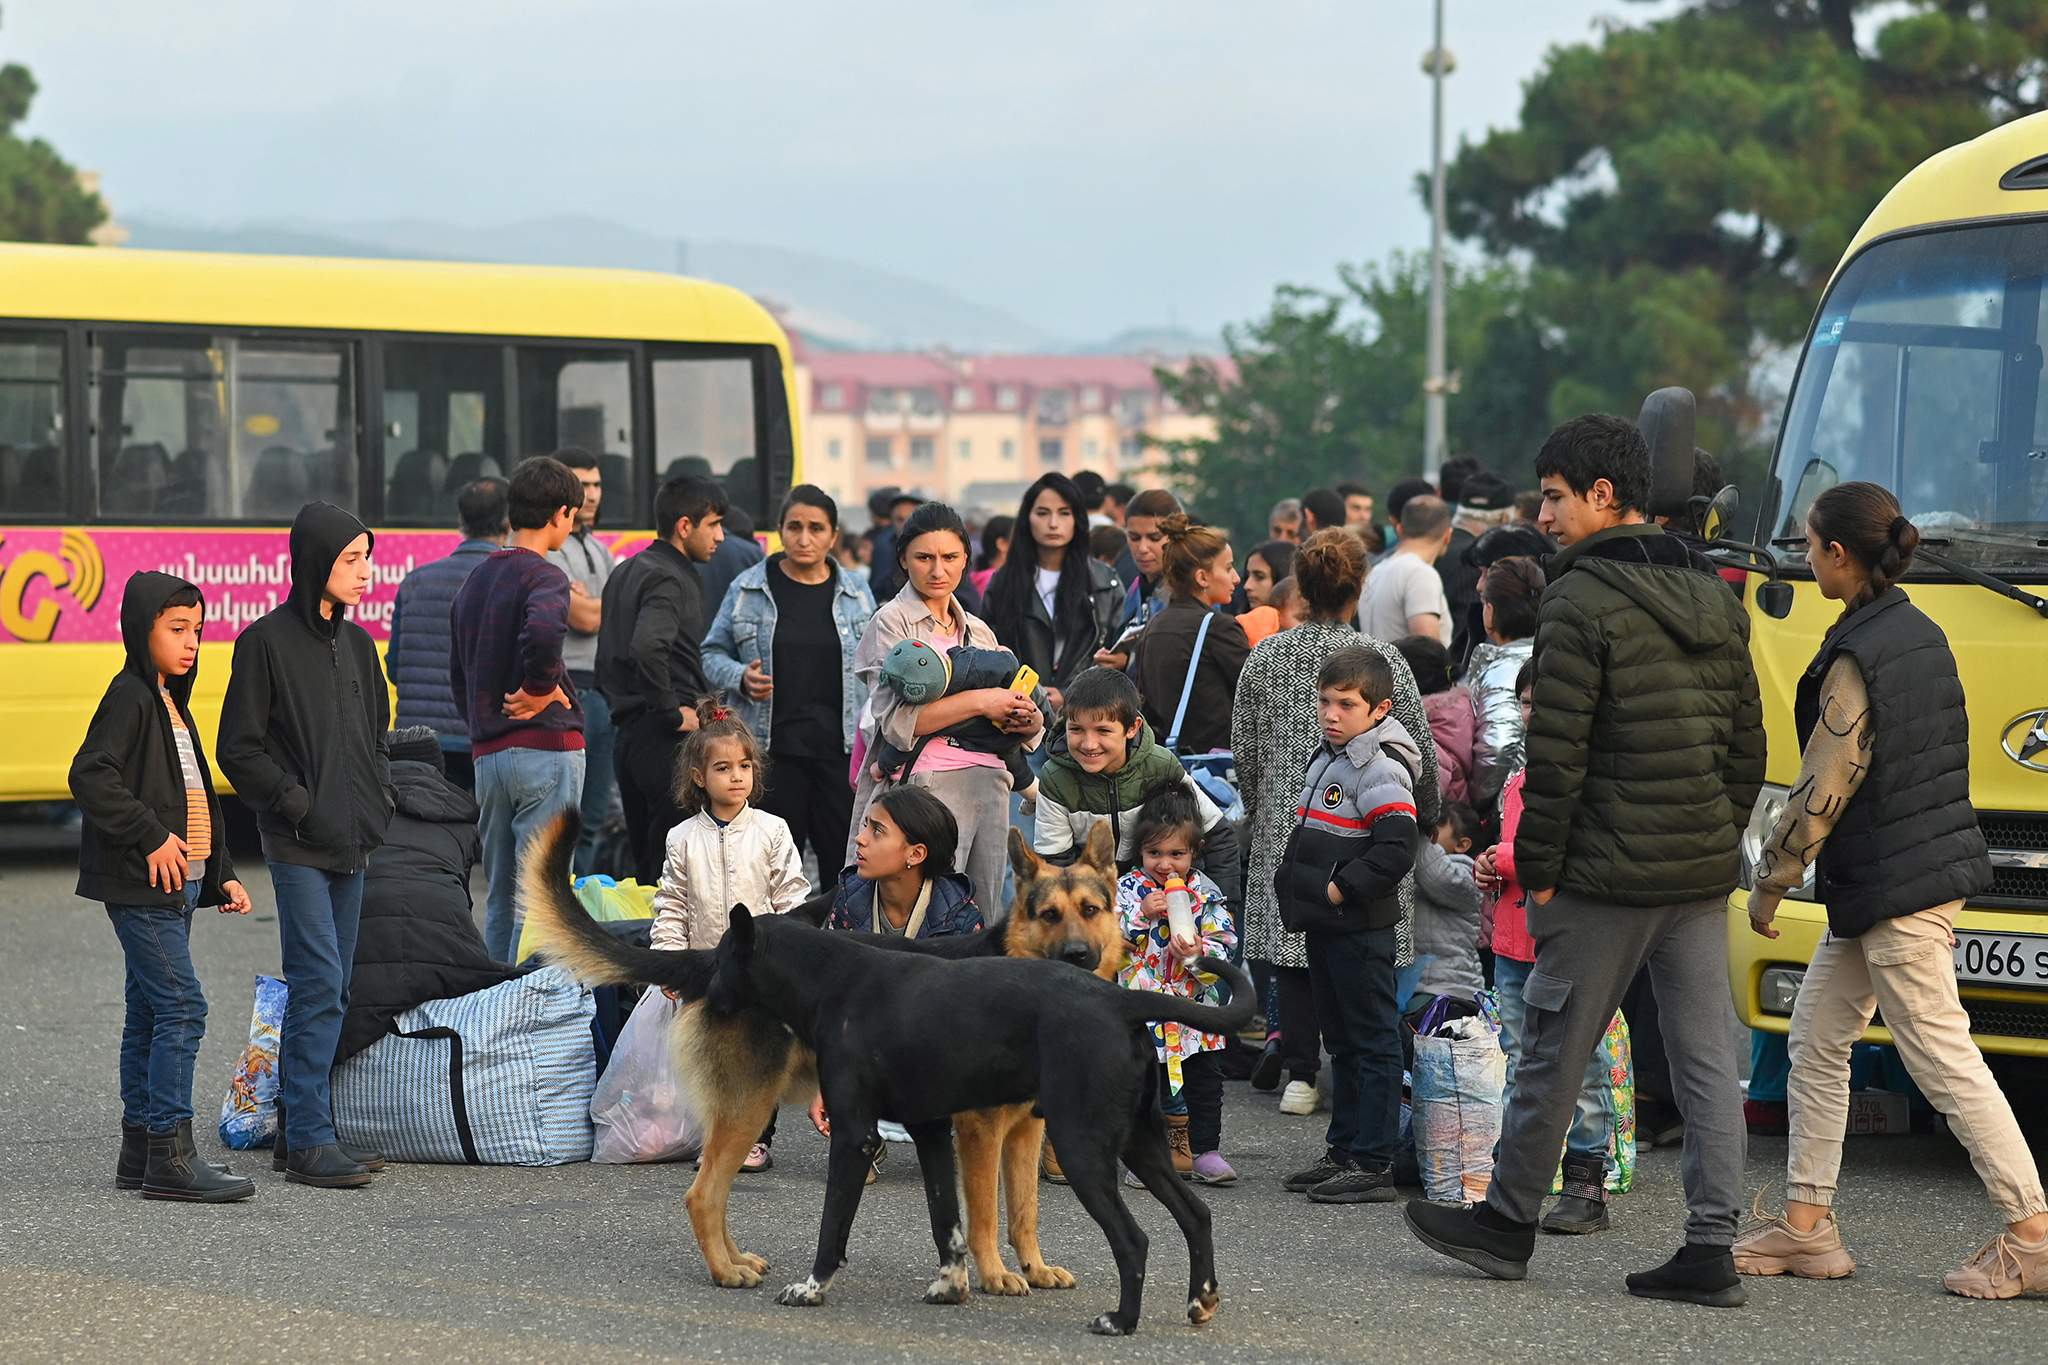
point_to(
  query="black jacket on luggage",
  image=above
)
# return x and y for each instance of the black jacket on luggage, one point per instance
(302, 731)
(126, 777)
(418, 940)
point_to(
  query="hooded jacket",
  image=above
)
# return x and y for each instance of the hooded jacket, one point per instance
(1646, 744)
(418, 940)
(303, 728)
(126, 777)
(1354, 828)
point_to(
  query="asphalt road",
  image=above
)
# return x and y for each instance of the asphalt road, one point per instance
(595, 1264)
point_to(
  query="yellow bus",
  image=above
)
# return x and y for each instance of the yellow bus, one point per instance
(1924, 372)
(166, 410)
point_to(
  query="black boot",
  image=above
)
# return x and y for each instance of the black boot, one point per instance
(133, 1163)
(325, 1168)
(1474, 1234)
(172, 1170)
(1266, 1074)
(1697, 1274)
(280, 1152)
(1583, 1208)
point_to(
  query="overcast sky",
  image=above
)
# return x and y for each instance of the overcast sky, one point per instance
(1086, 164)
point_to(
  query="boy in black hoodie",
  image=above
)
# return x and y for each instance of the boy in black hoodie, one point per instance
(303, 738)
(150, 852)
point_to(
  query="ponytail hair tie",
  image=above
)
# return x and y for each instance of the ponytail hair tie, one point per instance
(1899, 527)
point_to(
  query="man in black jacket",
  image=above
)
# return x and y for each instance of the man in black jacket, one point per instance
(302, 737)
(650, 661)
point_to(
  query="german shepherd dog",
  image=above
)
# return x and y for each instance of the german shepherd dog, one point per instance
(915, 1038)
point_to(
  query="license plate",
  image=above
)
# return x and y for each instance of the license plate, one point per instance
(2002, 959)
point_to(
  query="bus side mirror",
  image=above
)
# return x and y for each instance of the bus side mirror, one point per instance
(1774, 599)
(1719, 513)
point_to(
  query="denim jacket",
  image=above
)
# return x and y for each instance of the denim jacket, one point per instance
(744, 630)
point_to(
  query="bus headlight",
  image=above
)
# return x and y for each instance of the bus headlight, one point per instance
(1770, 805)
(1778, 989)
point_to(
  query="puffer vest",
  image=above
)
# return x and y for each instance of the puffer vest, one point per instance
(418, 659)
(1908, 840)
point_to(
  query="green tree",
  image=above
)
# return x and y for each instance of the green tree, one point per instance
(1683, 189)
(1327, 387)
(40, 197)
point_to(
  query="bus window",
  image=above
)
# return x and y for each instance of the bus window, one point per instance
(445, 423)
(583, 397)
(705, 424)
(31, 423)
(210, 427)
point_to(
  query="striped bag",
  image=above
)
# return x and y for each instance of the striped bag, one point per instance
(500, 1077)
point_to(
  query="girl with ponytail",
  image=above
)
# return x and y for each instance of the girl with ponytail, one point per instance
(1200, 577)
(1883, 799)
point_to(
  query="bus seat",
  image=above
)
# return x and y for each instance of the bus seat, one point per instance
(137, 480)
(41, 488)
(278, 486)
(415, 485)
(617, 473)
(467, 467)
(187, 492)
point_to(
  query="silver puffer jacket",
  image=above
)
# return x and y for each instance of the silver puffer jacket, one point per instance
(1497, 738)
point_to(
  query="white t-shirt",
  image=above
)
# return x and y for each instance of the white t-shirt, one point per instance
(1397, 589)
(1049, 589)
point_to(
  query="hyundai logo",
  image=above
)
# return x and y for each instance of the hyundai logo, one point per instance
(2026, 740)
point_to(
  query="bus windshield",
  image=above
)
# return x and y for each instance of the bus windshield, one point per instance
(1924, 374)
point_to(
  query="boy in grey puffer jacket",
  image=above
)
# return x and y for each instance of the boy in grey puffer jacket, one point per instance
(1448, 910)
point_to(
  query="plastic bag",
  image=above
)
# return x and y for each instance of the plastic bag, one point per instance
(606, 900)
(639, 1106)
(248, 1115)
(1460, 1072)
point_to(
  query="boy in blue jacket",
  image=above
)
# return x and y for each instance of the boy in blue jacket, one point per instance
(151, 852)
(1339, 881)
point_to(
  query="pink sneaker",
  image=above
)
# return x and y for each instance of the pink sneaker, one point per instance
(759, 1159)
(1212, 1169)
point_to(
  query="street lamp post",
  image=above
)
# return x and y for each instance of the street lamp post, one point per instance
(1438, 63)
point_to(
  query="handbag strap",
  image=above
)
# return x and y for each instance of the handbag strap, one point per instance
(456, 1099)
(1187, 688)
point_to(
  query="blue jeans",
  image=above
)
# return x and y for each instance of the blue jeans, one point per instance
(1353, 978)
(1593, 1120)
(166, 1012)
(1408, 979)
(517, 790)
(317, 915)
(599, 782)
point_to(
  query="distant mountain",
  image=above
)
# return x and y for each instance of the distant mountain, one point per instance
(1169, 340)
(841, 303)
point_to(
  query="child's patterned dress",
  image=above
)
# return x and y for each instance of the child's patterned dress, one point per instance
(1150, 964)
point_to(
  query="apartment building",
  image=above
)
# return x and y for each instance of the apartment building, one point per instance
(977, 430)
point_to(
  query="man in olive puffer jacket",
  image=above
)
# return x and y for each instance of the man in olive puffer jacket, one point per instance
(1645, 754)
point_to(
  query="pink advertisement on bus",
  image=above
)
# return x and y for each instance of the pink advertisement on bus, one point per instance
(63, 585)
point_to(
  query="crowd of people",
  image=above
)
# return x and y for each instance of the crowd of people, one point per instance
(1414, 801)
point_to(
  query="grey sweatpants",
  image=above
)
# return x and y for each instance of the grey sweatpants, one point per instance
(1587, 952)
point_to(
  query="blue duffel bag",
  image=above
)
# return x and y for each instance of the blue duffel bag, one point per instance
(500, 1077)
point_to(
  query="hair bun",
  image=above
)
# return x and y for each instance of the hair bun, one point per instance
(1899, 527)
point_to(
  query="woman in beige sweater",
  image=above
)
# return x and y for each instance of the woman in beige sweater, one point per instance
(1882, 805)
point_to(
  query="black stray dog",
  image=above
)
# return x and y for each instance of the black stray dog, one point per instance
(915, 1039)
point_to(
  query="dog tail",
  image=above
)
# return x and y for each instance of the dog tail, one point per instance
(1152, 1007)
(567, 934)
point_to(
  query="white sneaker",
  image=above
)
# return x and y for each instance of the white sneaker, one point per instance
(1299, 1098)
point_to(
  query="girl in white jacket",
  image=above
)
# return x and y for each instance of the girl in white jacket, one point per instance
(726, 853)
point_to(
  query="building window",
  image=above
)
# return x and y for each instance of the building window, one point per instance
(1006, 398)
(1091, 398)
(1052, 405)
(924, 402)
(1009, 449)
(963, 396)
(832, 396)
(883, 400)
(923, 451)
(1051, 450)
(881, 452)
(1133, 449)
(963, 450)
(833, 449)
(1090, 449)
(1132, 406)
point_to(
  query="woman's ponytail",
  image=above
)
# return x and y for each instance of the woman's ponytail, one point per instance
(1865, 519)
(1189, 549)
